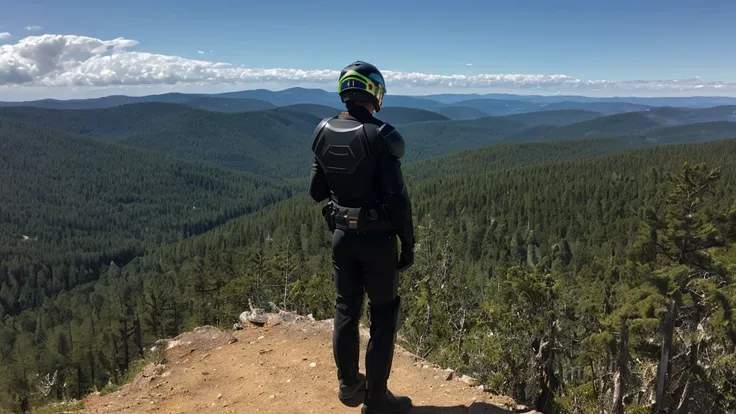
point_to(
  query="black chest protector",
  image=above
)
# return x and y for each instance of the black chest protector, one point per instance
(347, 149)
(342, 145)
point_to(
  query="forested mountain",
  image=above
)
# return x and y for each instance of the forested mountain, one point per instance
(428, 139)
(274, 142)
(317, 111)
(683, 102)
(206, 102)
(611, 125)
(289, 96)
(397, 115)
(631, 124)
(109, 123)
(71, 204)
(679, 116)
(602, 107)
(498, 107)
(214, 103)
(461, 112)
(707, 131)
(559, 117)
(501, 104)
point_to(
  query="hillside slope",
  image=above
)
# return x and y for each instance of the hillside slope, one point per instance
(269, 370)
(273, 142)
(399, 115)
(92, 202)
(559, 117)
(461, 112)
(108, 123)
(207, 102)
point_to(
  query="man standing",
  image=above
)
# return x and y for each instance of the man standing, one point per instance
(356, 166)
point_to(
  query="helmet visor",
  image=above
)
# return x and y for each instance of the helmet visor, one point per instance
(353, 83)
(380, 92)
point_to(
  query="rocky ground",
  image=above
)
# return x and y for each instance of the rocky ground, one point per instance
(279, 364)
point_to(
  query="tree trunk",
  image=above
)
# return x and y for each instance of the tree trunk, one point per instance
(619, 380)
(682, 406)
(78, 394)
(549, 383)
(138, 336)
(428, 310)
(126, 348)
(91, 360)
(668, 328)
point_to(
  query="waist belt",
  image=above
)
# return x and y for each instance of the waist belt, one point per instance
(360, 219)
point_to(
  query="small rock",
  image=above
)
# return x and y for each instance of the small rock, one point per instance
(480, 387)
(244, 317)
(261, 337)
(289, 317)
(273, 320)
(205, 373)
(313, 364)
(237, 326)
(219, 396)
(425, 366)
(232, 341)
(521, 408)
(272, 396)
(448, 374)
(469, 380)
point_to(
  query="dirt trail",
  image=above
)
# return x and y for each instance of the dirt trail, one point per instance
(286, 368)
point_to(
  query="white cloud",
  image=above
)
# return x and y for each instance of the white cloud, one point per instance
(79, 61)
(201, 52)
(468, 64)
(5, 35)
(34, 28)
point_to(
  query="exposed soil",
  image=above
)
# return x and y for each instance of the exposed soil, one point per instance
(286, 368)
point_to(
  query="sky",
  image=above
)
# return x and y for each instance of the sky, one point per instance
(85, 48)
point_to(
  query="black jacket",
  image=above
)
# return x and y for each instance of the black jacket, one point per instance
(357, 164)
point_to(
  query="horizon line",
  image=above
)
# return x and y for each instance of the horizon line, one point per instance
(420, 95)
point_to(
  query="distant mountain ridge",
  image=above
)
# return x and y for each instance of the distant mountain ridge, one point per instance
(276, 142)
(490, 104)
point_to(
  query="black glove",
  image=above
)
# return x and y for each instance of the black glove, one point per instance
(406, 259)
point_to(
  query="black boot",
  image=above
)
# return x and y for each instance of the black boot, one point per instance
(348, 391)
(386, 403)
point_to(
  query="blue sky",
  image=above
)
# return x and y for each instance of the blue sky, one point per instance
(617, 41)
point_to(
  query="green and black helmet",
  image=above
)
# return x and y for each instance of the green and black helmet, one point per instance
(361, 81)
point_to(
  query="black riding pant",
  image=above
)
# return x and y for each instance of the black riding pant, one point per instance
(365, 263)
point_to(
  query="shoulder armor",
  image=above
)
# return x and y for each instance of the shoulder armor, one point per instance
(316, 136)
(394, 140)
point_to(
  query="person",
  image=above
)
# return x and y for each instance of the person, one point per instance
(357, 167)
